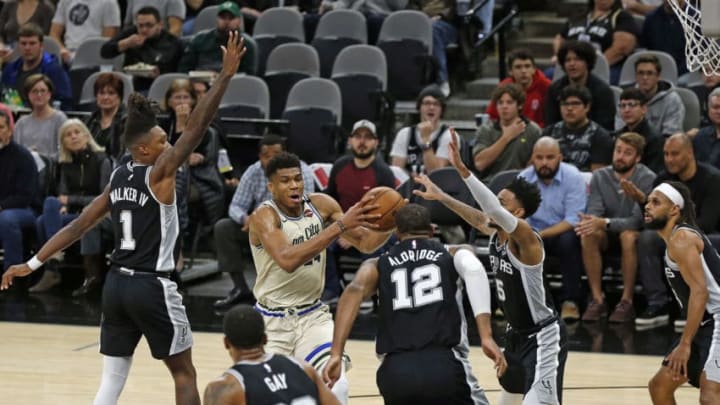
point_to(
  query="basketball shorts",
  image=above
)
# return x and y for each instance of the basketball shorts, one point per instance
(536, 363)
(304, 332)
(138, 304)
(428, 377)
(699, 354)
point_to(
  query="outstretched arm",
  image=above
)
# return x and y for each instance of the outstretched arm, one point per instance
(203, 114)
(90, 216)
(364, 285)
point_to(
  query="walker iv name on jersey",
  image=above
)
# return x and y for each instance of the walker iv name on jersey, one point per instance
(129, 194)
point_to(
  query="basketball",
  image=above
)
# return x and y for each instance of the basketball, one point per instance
(389, 202)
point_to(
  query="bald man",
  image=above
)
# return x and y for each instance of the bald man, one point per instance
(703, 181)
(564, 198)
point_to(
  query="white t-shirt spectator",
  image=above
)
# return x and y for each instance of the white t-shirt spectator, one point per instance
(402, 140)
(84, 19)
(167, 8)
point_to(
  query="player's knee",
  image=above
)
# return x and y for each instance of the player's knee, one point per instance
(657, 387)
(709, 398)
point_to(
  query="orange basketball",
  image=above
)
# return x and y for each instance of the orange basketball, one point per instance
(389, 202)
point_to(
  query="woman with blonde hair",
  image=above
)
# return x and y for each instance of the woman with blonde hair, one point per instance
(84, 171)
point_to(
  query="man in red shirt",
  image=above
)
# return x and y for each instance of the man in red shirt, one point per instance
(532, 80)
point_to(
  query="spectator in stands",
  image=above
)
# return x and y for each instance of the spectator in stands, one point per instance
(33, 59)
(204, 50)
(423, 148)
(170, 12)
(609, 29)
(201, 86)
(78, 20)
(703, 181)
(665, 109)
(84, 172)
(18, 192)
(107, 122)
(147, 43)
(662, 31)
(375, 12)
(505, 144)
(351, 177)
(707, 141)
(632, 108)
(17, 13)
(231, 234)
(577, 59)
(702, 91)
(583, 142)
(38, 130)
(192, 9)
(564, 198)
(180, 99)
(642, 7)
(614, 219)
(524, 73)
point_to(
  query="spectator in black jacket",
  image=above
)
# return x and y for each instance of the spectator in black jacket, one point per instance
(107, 123)
(577, 59)
(146, 43)
(350, 178)
(632, 107)
(18, 191)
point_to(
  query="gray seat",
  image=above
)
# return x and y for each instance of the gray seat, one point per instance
(160, 85)
(601, 69)
(276, 26)
(695, 79)
(88, 55)
(87, 96)
(361, 60)
(206, 19)
(287, 65)
(336, 31)
(692, 108)
(667, 63)
(316, 93)
(407, 24)
(246, 93)
(617, 91)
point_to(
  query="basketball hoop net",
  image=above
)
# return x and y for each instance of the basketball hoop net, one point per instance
(701, 52)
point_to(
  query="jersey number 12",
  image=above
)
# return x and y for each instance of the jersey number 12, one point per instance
(426, 287)
(127, 242)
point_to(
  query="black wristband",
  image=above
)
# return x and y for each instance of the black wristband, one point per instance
(341, 226)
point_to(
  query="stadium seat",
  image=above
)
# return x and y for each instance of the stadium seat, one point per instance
(667, 63)
(88, 61)
(245, 97)
(276, 26)
(287, 65)
(448, 179)
(692, 108)
(206, 19)
(336, 30)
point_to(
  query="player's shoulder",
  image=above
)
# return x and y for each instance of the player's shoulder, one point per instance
(325, 204)
(684, 238)
(224, 390)
(264, 213)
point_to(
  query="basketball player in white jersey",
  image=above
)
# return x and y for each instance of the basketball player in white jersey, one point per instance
(288, 237)
(139, 299)
(690, 255)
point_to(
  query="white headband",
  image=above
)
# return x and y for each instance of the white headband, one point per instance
(671, 193)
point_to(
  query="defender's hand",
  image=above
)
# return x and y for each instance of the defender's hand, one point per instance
(18, 270)
(233, 53)
(432, 191)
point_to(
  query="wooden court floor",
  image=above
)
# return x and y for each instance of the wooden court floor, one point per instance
(60, 364)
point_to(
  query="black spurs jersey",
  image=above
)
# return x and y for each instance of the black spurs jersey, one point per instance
(711, 270)
(145, 230)
(420, 298)
(275, 380)
(520, 288)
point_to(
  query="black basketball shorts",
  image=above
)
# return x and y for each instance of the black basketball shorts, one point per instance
(699, 349)
(142, 304)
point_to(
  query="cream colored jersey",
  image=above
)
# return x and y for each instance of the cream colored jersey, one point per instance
(274, 286)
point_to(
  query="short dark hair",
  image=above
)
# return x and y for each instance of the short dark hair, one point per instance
(574, 90)
(109, 79)
(649, 58)
(413, 219)
(272, 139)
(582, 49)
(633, 93)
(513, 90)
(244, 327)
(149, 10)
(687, 213)
(527, 193)
(34, 79)
(140, 119)
(282, 160)
(520, 54)
(31, 30)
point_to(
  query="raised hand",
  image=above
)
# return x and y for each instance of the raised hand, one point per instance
(233, 53)
(358, 214)
(432, 191)
(18, 270)
(455, 159)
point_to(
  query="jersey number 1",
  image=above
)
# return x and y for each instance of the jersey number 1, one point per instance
(426, 287)
(127, 242)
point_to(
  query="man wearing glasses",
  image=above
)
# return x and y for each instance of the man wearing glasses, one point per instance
(633, 108)
(149, 49)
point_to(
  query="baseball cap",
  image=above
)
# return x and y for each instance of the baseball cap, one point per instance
(365, 124)
(230, 7)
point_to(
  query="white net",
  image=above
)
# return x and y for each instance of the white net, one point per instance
(701, 52)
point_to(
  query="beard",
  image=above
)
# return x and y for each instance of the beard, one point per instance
(622, 169)
(361, 155)
(547, 173)
(657, 223)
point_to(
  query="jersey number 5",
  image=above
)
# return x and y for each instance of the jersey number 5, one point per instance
(426, 287)
(127, 242)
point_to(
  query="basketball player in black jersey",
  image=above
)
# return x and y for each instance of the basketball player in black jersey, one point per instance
(535, 342)
(692, 268)
(421, 326)
(258, 377)
(138, 297)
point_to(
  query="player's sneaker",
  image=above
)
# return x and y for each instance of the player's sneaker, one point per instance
(653, 316)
